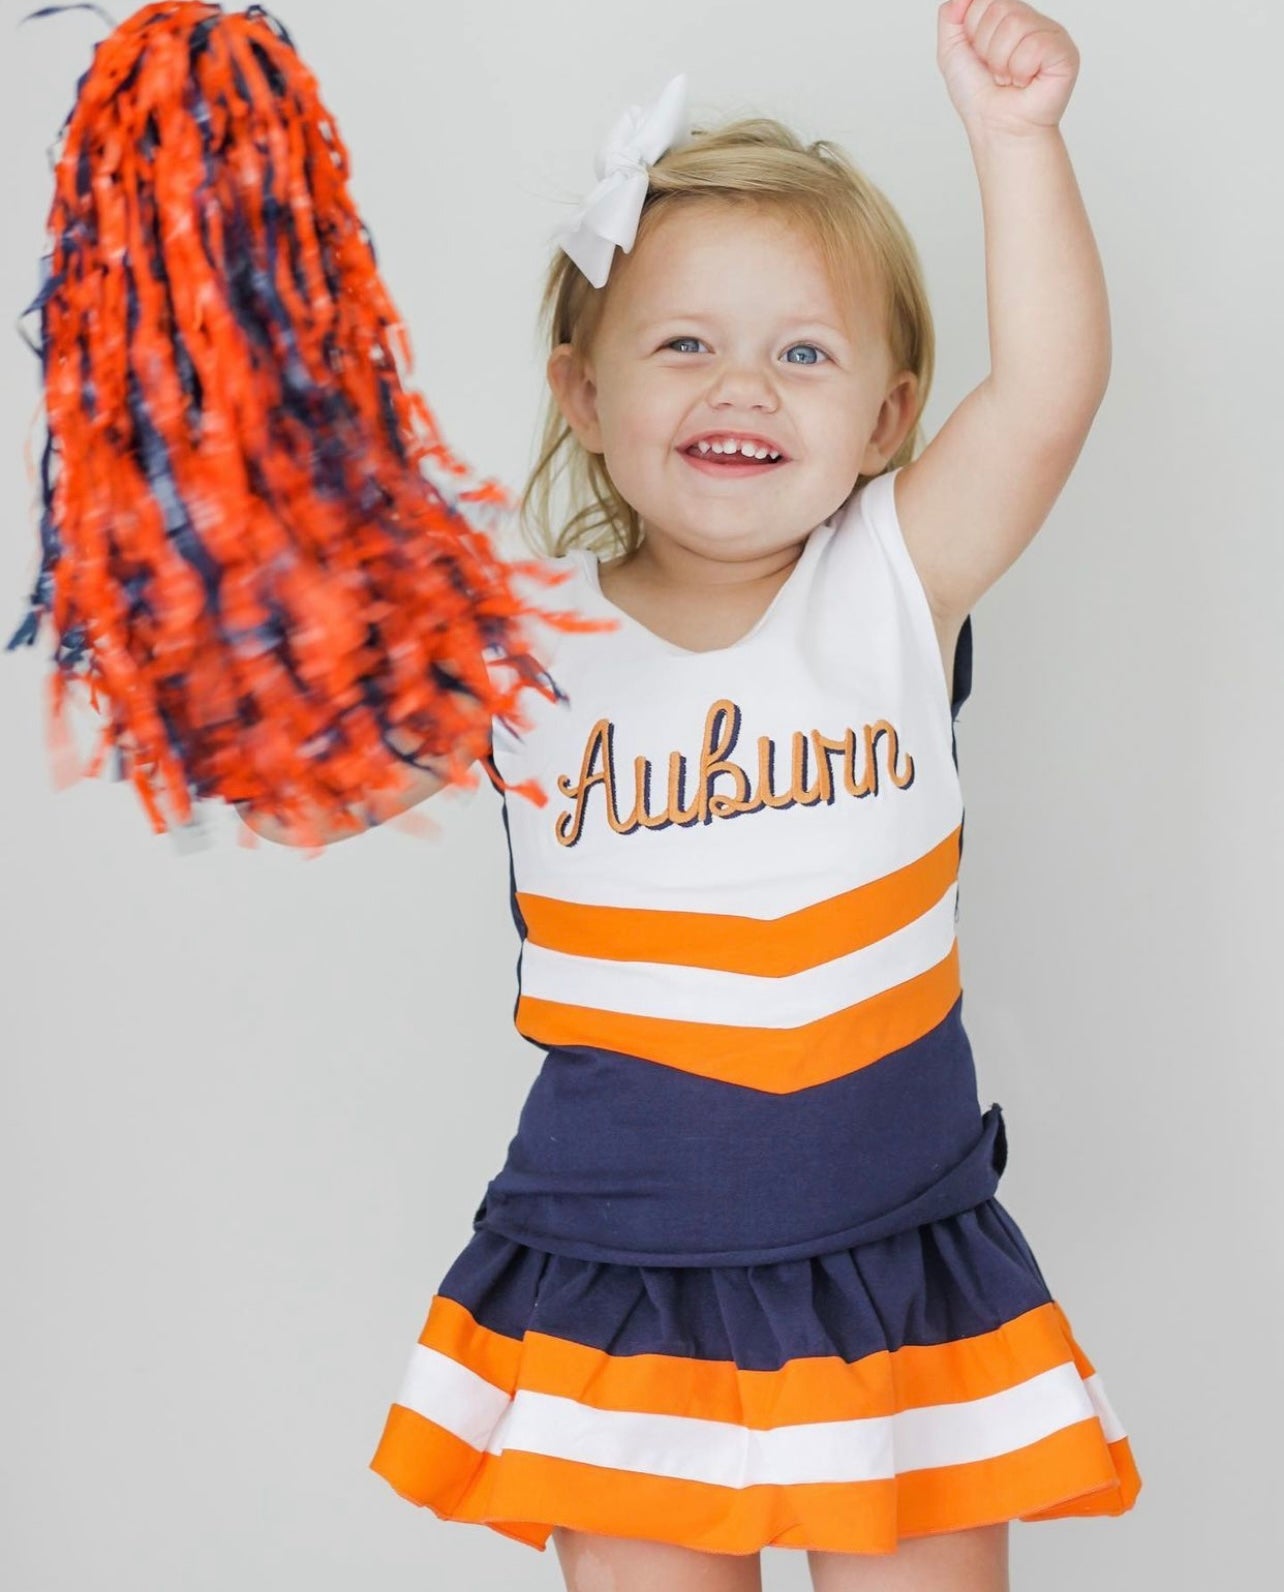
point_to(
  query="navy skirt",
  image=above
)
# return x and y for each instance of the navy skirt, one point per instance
(597, 1357)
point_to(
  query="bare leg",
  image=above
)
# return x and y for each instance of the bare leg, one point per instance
(950, 1561)
(592, 1563)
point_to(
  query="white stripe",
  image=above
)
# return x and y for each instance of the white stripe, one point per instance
(1110, 1422)
(450, 1394)
(729, 1455)
(745, 1000)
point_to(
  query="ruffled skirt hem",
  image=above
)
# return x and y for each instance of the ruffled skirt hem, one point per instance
(833, 1518)
(921, 1383)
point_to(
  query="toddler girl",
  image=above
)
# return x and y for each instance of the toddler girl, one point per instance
(743, 1279)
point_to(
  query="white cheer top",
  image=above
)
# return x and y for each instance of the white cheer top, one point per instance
(737, 913)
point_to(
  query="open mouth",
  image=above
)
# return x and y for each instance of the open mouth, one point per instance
(730, 464)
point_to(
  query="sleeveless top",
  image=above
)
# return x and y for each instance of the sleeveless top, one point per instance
(737, 916)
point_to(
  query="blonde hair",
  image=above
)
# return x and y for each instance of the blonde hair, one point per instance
(752, 161)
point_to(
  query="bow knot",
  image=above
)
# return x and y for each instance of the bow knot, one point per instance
(622, 149)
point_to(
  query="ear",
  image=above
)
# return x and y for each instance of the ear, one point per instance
(576, 395)
(895, 419)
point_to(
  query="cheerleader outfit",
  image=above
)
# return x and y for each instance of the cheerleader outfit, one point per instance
(743, 1279)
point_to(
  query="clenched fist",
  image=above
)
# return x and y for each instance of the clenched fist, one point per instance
(1007, 67)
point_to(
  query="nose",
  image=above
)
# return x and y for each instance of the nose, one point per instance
(743, 386)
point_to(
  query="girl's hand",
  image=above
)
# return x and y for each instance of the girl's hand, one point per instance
(1007, 67)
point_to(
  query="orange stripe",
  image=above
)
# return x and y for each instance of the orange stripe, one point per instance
(521, 1495)
(814, 1388)
(769, 947)
(777, 1060)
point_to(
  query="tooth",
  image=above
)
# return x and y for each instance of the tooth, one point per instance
(749, 450)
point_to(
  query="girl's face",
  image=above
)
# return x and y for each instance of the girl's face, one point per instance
(723, 321)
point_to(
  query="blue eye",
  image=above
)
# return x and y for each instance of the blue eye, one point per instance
(808, 361)
(812, 346)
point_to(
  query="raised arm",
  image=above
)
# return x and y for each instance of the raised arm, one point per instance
(981, 489)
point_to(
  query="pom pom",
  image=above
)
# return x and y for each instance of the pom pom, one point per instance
(257, 550)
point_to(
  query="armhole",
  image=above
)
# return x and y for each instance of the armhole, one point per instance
(878, 500)
(962, 667)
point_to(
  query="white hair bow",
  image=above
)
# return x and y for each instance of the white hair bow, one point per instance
(610, 214)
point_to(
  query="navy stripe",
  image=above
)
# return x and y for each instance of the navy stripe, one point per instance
(961, 690)
(933, 1284)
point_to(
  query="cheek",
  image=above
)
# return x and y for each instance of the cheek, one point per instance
(841, 426)
(643, 428)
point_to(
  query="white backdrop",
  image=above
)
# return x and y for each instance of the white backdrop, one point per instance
(251, 1101)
